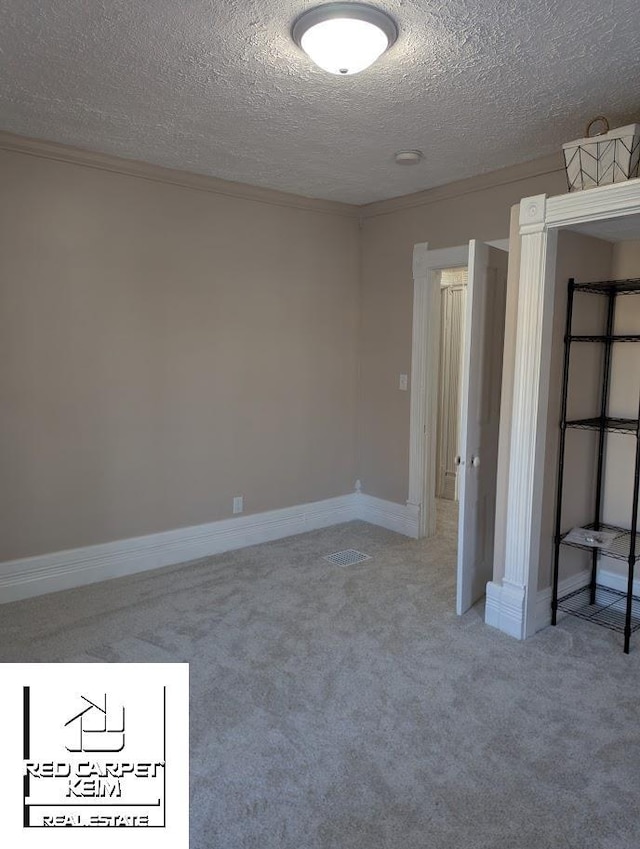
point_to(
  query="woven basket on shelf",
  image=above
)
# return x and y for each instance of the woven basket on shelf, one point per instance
(610, 157)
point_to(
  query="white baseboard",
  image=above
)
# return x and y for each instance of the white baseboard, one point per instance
(606, 578)
(543, 601)
(401, 518)
(63, 570)
(617, 581)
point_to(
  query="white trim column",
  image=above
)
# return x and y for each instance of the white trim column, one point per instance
(511, 602)
(418, 410)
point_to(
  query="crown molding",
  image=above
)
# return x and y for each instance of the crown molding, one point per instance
(200, 182)
(550, 164)
(185, 179)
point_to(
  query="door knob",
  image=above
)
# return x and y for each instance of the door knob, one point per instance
(459, 461)
(475, 462)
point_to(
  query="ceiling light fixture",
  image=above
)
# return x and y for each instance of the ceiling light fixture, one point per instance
(344, 38)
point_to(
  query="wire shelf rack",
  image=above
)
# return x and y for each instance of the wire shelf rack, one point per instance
(619, 549)
(611, 424)
(621, 337)
(608, 609)
(610, 287)
(611, 608)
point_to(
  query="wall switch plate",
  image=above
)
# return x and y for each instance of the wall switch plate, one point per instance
(238, 504)
(404, 382)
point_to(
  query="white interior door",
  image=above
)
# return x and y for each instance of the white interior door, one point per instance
(481, 380)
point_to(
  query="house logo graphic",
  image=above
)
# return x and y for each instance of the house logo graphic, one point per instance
(96, 733)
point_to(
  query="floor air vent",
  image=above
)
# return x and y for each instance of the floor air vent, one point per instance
(348, 557)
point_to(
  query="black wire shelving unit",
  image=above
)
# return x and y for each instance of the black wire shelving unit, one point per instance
(611, 608)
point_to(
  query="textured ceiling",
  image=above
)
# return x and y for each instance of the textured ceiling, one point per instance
(623, 229)
(218, 87)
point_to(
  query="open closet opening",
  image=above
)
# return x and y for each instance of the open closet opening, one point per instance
(592, 238)
(593, 457)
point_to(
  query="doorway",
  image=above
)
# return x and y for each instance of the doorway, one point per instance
(479, 382)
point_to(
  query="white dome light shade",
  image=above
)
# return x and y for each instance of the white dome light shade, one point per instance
(343, 45)
(344, 38)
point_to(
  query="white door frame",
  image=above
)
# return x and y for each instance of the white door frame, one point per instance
(424, 377)
(511, 601)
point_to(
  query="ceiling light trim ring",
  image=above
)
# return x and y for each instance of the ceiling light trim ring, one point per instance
(356, 11)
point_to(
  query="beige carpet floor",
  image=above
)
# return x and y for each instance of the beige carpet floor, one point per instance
(349, 708)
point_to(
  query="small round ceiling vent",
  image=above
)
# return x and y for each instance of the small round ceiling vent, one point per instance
(408, 157)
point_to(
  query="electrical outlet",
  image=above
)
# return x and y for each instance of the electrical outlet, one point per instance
(238, 504)
(404, 380)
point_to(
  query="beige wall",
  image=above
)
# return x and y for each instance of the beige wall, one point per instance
(444, 217)
(166, 344)
(163, 349)
(626, 260)
(623, 401)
